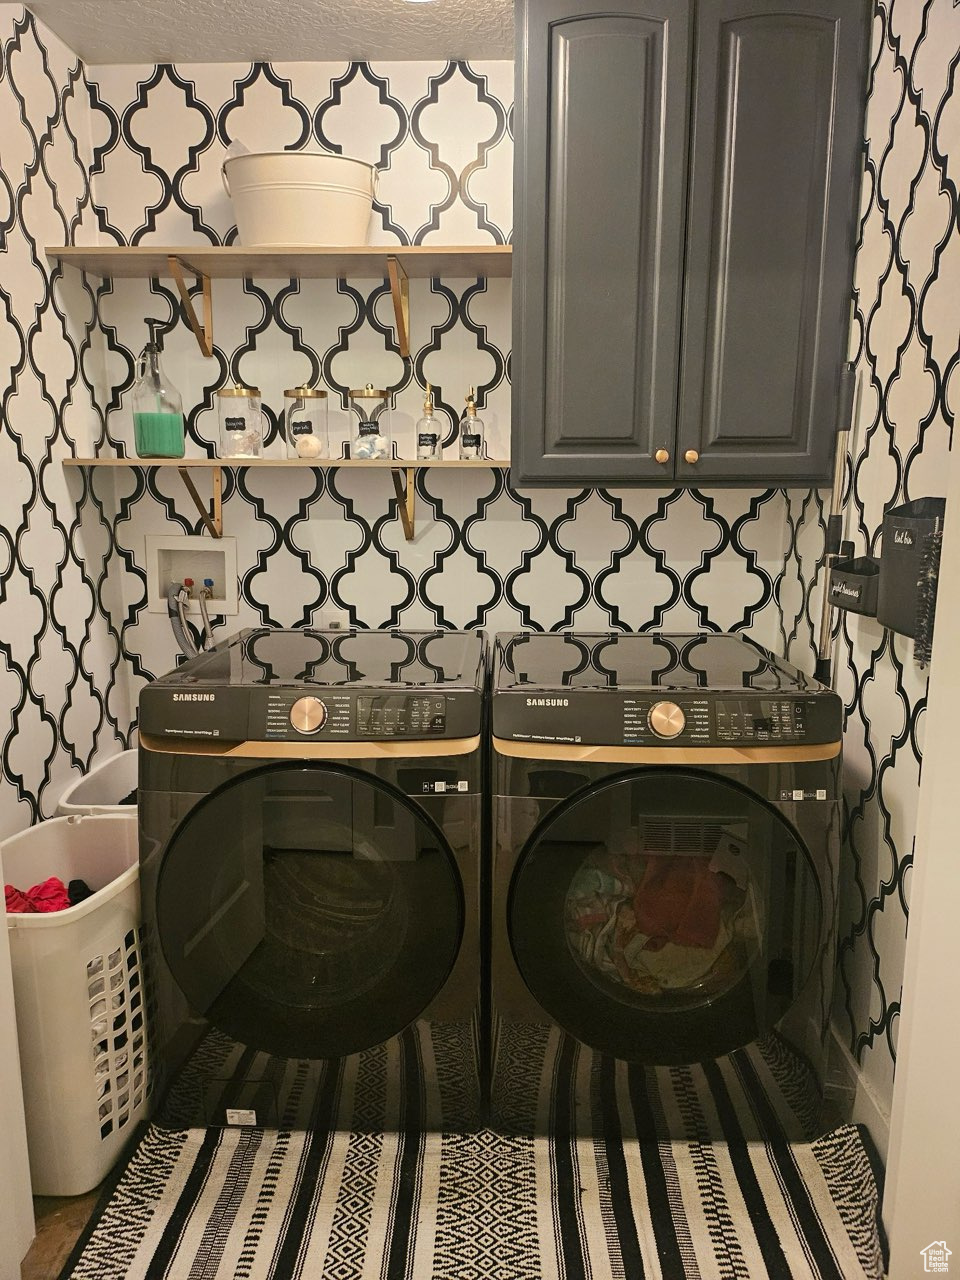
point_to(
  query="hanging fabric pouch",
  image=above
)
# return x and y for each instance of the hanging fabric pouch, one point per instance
(904, 530)
(853, 585)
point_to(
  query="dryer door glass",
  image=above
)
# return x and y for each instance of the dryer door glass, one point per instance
(309, 910)
(665, 916)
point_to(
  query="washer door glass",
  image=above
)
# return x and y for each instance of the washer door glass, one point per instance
(665, 916)
(309, 910)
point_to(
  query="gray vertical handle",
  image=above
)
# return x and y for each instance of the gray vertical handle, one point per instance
(833, 541)
(848, 387)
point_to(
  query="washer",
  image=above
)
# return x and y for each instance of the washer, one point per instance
(311, 810)
(666, 847)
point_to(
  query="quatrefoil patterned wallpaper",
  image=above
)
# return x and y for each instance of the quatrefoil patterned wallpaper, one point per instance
(905, 341)
(316, 546)
(131, 155)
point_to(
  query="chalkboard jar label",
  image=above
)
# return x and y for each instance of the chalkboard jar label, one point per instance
(369, 429)
(234, 424)
(471, 441)
(301, 428)
(427, 439)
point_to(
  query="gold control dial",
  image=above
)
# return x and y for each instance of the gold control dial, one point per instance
(662, 456)
(307, 715)
(666, 719)
(691, 456)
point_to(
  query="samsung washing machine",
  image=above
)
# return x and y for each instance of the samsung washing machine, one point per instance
(311, 816)
(665, 857)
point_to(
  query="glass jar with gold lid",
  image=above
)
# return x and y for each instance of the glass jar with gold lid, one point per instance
(372, 408)
(305, 422)
(241, 422)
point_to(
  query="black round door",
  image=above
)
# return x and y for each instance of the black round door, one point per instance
(665, 916)
(309, 910)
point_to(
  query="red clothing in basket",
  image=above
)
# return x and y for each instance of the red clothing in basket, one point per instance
(51, 895)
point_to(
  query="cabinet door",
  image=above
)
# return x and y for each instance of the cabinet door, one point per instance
(601, 121)
(778, 105)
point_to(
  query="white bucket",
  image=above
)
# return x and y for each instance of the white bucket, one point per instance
(300, 199)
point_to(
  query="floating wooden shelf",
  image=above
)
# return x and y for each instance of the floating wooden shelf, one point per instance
(234, 263)
(402, 471)
(396, 263)
(324, 464)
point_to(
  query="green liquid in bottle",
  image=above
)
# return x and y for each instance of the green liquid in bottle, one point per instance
(158, 435)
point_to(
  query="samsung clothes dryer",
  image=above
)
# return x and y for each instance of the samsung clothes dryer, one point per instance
(311, 813)
(665, 855)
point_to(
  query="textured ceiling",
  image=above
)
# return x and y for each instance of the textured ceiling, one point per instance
(106, 31)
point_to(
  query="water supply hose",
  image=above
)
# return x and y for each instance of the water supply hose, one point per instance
(205, 594)
(177, 598)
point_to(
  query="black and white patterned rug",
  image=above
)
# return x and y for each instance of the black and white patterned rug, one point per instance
(590, 1202)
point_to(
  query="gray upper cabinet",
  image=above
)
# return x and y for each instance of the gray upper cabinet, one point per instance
(601, 127)
(770, 236)
(686, 188)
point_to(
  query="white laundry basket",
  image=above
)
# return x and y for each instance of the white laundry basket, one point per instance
(80, 1002)
(102, 789)
(300, 199)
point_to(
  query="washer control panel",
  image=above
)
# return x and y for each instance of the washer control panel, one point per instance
(320, 691)
(289, 713)
(292, 715)
(401, 715)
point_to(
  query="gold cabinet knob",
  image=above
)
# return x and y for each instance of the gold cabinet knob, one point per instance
(691, 456)
(662, 456)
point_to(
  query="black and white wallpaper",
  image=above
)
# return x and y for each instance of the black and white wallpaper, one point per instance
(132, 155)
(61, 674)
(905, 343)
(320, 546)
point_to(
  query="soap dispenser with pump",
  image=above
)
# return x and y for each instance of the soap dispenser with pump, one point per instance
(471, 430)
(157, 407)
(429, 448)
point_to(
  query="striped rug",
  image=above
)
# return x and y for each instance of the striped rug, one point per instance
(602, 1197)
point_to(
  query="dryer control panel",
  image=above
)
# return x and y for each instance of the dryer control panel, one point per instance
(601, 717)
(763, 720)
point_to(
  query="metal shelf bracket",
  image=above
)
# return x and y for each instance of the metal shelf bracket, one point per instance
(400, 291)
(212, 518)
(203, 333)
(406, 499)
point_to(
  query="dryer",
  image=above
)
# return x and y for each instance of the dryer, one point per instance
(311, 809)
(665, 855)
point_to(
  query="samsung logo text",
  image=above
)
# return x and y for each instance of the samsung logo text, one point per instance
(548, 702)
(194, 697)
